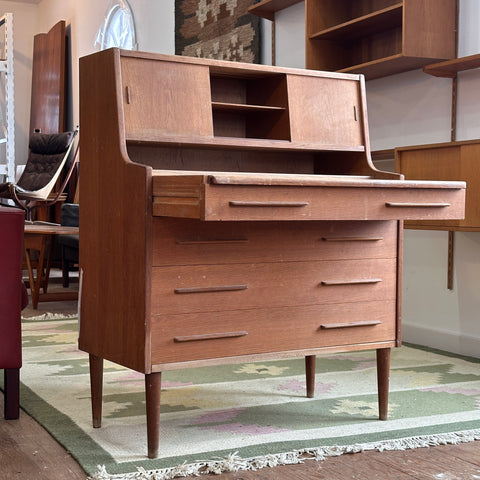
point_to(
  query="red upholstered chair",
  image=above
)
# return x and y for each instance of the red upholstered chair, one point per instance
(13, 297)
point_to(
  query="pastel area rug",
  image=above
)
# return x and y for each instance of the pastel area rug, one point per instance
(244, 416)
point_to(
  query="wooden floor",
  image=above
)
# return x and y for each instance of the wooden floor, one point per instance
(28, 452)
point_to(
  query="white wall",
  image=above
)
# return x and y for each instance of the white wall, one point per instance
(408, 109)
(155, 32)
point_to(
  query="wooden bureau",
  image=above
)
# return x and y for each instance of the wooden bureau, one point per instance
(231, 213)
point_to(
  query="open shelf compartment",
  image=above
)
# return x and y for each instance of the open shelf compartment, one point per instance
(250, 107)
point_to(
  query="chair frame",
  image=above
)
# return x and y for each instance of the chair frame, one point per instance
(29, 203)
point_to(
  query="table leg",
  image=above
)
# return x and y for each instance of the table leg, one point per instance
(383, 377)
(310, 361)
(96, 388)
(153, 385)
(36, 242)
(43, 243)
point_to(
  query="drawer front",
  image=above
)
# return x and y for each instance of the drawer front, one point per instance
(242, 332)
(205, 288)
(193, 242)
(239, 202)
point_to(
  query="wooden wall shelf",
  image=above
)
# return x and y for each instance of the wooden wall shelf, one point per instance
(365, 25)
(375, 38)
(450, 68)
(267, 8)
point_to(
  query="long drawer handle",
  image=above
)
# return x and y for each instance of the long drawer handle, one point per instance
(220, 288)
(245, 203)
(417, 205)
(353, 281)
(209, 336)
(212, 242)
(366, 323)
(352, 239)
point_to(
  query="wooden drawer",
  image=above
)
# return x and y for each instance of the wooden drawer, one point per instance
(308, 197)
(193, 242)
(203, 288)
(241, 332)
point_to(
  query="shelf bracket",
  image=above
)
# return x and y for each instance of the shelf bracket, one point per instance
(451, 239)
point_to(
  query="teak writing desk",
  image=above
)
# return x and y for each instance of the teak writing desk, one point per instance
(232, 213)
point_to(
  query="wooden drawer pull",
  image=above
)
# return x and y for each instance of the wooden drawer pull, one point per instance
(366, 323)
(352, 239)
(221, 288)
(225, 241)
(209, 336)
(417, 205)
(353, 281)
(242, 203)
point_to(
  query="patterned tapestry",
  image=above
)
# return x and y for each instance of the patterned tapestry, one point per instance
(218, 29)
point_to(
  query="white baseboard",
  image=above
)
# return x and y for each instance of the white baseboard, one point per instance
(449, 341)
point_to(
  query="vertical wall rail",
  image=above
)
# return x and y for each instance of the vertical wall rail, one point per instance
(6, 70)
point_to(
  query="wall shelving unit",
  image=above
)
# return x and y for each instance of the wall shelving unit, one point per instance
(375, 38)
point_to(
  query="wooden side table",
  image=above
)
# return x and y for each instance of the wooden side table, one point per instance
(38, 237)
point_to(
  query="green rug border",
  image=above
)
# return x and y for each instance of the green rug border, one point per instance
(91, 455)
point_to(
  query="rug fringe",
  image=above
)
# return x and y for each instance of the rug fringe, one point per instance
(234, 463)
(52, 316)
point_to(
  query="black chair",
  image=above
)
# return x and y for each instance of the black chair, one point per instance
(69, 245)
(47, 156)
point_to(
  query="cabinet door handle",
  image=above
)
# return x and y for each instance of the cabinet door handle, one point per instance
(417, 205)
(209, 336)
(252, 203)
(353, 281)
(220, 288)
(365, 323)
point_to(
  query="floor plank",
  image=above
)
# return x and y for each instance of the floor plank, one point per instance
(438, 463)
(28, 452)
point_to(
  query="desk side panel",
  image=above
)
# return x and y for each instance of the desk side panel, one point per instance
(114, 215)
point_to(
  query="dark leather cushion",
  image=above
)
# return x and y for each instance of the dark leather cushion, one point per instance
(50, 143)
(47, 151)
(39, 170)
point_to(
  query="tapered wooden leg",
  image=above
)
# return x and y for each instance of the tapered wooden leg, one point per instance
(96, 389)
(12, 393)
(153, 386)
(310, 361)
(383, 377)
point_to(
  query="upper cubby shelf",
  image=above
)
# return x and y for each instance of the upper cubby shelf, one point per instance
(267, 8)
(370, 24)
(235, 107)
(450, 68)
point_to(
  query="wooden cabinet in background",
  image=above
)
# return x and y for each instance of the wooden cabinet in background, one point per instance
(445, 161)
(375, 38)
